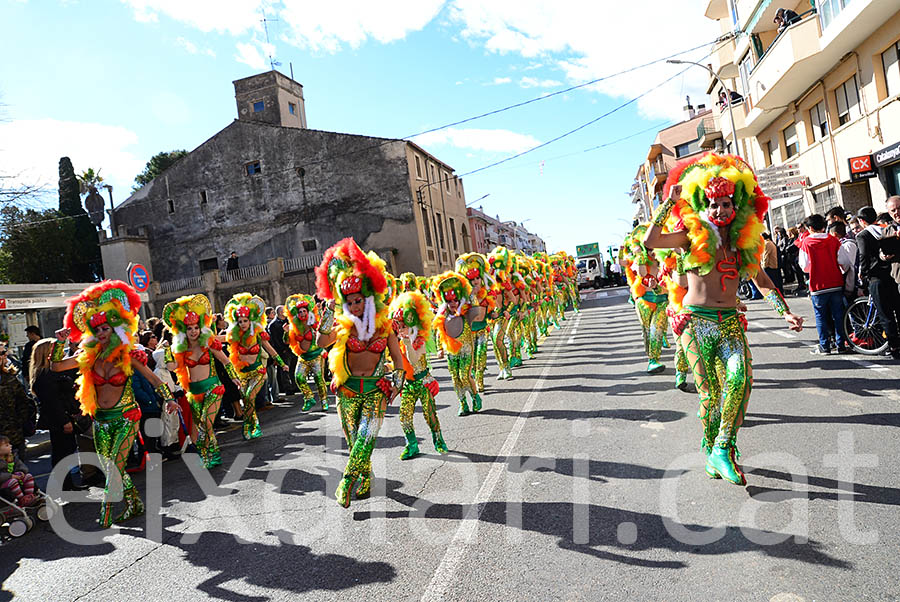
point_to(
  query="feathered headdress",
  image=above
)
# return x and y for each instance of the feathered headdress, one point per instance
(244, 305)
(178, 315)
(636, 255)
(294, 307)
(713, 175)
(408, 282)
(412, 309)
(448, 287)
(112, 303)
(474, 267)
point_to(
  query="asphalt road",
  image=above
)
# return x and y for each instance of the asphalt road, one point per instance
(582, 479)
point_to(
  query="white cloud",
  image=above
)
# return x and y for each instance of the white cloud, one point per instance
(499, 81)
(250, 55)
(232, 16)
(533, 82)
(497, 141)
(327, 26)
(589, 39)
(31, 150)
(192, 48)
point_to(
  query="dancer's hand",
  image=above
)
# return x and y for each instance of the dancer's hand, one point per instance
(237, 383)
(286, 368)
(172, 407)
(62, 334)
(796, 322)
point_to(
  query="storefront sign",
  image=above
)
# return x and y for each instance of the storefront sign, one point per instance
(861, 168)
(20, 303)
(888, 155)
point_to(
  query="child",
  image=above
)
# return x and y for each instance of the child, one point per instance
(14, 475)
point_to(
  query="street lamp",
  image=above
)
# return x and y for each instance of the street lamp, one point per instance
(721, 83)
(478, 199)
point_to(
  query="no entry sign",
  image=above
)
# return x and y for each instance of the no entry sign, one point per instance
(138, 277)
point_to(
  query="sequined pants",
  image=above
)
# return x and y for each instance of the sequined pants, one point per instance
(414, 392)
(500, 330)
(681, 363)
(720, 359)
(480, 361)
(203, 410)
(314, 368)
(460, 366)
(515, 337)
(361, 418)
(113, 439)
(251, 383)
(654, 324)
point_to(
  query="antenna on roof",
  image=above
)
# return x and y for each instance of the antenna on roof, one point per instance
(272, 63)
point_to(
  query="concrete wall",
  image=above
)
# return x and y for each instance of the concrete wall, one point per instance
(349, 186)
(117, 253)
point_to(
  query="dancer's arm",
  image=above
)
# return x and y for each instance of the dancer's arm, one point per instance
(398, 376)
(273, 354)
(225, 361)
(773, 296)
(58, 360)
(159, 387)
(655, 238)
(326, 335)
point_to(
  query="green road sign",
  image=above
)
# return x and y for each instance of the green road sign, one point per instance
(591, 249)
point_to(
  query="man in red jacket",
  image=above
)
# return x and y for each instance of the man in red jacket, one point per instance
(825, 260)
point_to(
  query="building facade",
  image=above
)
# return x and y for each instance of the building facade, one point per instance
(268, 188)
(818, 99)
(489, 232)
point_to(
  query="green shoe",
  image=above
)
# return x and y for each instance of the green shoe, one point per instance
(439, 445)
(133, 506)
(720, 464)
(216, 458)
(308, 404)
(364, 490)
(515, 362)
(681, 380)
(412, 447)
(106, 518)
(325, 404)
(256, 433)
(654, 367)
(476, 403)
(342, 495)
(463, 408)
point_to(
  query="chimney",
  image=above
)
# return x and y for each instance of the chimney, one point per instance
(701, 108)
(689, 109)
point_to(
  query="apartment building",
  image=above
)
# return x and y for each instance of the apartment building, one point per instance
(489, 232)
(673, 144)
(818, 96)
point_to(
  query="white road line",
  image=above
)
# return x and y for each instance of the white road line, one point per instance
(445, 574)
(570, 341)
(785, 335)
(869, 365)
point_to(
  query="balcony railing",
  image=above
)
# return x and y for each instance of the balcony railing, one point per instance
(781, 74)
(708, 132)
(252, 271)
(182, 284)
(301, 264)
(658, 169)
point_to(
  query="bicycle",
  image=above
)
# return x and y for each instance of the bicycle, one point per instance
(864, 331)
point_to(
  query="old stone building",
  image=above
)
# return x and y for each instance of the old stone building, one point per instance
(268, 187)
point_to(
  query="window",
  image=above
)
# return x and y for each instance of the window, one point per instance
(465, 237)
(253, 168)
(258, 106)
(791, 143)
(688, 148)
(767, 151)
(818, 121)
(746, 67)
(890, 60)
(202, 197)
(447, 181)
(440, 224)
(774, 155)
(418, 167)
(310, 245)
(433, 177)
(210, 264)
(823, 200)
(453, 234)
(829, 10)
(292, 108)
(428, 241)
(170, 204)
(847, 98)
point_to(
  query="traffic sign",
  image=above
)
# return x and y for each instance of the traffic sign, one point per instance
(139, 277)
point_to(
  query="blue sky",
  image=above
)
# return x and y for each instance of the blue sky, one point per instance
(111, 83)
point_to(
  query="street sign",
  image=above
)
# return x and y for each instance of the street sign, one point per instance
(861, 168)
(782, 181)
(138, 277)
(585, 250)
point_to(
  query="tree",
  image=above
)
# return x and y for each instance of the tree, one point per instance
(87, 266)
(159, 163)
(36, 246)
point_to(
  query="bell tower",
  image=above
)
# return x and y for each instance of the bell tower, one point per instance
(272, 98)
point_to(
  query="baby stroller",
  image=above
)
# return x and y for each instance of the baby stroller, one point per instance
(16, 521)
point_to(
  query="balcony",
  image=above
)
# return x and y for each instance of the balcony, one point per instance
(708, 133)
(785, 70)
(658, 171)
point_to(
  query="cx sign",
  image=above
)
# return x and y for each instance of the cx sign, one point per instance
(861, 168)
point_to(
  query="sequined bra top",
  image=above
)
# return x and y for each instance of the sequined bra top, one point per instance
(202, 360)
(374, 346)
(117, 380)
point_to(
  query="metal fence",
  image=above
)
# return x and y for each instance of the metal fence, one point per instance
(170, 286)
(251, 271)
(301, 264)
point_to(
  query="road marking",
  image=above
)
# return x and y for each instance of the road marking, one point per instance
(868, 364)
(785, 335)
(444, 574)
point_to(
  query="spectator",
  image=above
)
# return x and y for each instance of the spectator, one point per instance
(854, 226)
(770, 262)
(282, 379)
(837, 214)
(17, 412)
(875, 275)
(232, 262)
(55, 393)
(826, 261)
(168, 441)
(15, 480)
(839, 231)
(34, 335)
(792, 255)
(784, 18)
(150, 408)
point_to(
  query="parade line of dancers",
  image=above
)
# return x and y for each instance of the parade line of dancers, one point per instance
(374, 330)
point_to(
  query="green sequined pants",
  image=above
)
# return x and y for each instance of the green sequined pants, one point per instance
(113, 440)
(500, 350)
(361, 418)
(314, 368)
(251, 383)
(203, 410)
(481, 346)
(723, 374)
(414, 392)
(681, 363)
(460, 366)
(654, 324)
(515, 338)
